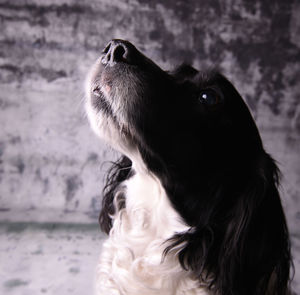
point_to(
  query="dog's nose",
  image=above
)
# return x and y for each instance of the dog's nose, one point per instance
(117, 51)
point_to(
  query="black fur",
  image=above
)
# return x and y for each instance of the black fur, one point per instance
(212, 164)
(119, 171)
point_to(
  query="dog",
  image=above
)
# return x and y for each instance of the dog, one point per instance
(192, 206)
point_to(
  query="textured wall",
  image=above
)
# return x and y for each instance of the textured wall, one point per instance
(50, 160)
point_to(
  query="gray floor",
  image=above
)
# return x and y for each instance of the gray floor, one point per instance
(46, 258)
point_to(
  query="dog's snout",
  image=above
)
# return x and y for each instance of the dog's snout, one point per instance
(117, 51)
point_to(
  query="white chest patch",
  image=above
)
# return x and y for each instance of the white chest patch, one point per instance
(132, 261)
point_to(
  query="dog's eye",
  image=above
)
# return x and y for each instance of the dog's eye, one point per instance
(209, 97)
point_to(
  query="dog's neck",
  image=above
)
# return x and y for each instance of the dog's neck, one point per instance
(149, 208)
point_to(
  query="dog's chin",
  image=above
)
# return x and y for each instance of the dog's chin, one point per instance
(115, 134)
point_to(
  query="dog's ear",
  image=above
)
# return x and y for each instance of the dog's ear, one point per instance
(256, 249)
(243, 246)
(119, 171)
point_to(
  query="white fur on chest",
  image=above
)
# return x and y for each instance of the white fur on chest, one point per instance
(132, 261)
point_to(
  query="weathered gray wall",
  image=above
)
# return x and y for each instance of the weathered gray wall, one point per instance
(50, 160)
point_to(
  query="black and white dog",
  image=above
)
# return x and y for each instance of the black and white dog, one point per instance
(192, 207)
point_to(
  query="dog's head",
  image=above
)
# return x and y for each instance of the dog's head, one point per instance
(178, 122)
(193, 131)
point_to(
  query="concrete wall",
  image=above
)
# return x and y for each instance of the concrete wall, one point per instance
(50, 162)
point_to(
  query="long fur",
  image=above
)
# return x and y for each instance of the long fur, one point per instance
(192, 206)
